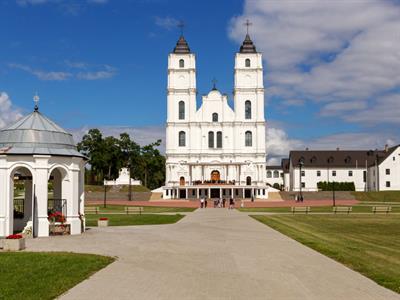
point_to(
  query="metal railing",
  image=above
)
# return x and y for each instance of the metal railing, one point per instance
(57, 205)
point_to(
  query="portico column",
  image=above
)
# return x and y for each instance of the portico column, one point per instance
(186, 193)
(209, 193)
(198, 193)
(232, 193)
(190, 174)
(239, 173)
(73, 206)
(243, 195)
(202, 173)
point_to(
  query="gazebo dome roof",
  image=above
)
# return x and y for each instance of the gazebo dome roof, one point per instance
(36, 134)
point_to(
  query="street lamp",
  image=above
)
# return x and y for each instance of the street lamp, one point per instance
(301, 164)
(105, 194)
(330, 160)
(130, 184)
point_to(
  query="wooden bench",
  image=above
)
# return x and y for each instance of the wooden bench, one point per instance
(381, 209)
(92, 209)
(301, 209)
(133, 210)
(342, 209)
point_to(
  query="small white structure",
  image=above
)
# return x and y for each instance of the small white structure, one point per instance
(369, 170)
(215, 150)
(123, 179)
(36, 151)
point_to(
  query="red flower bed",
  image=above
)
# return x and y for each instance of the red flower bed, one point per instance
(103, 219)
(14, 237)
(56, 217)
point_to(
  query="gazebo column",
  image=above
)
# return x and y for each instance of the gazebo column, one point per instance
(41, 192)
(82, 195)
(74, 199)
(5, 196)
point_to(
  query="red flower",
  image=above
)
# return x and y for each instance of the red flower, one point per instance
(14, 237)
(103, 219)
(57, 217)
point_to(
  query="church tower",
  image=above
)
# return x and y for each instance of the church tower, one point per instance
(249, 92)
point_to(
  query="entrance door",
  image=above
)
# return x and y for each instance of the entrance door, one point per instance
(215, 176)
(247, 193)
(182, 194)
(215, 193)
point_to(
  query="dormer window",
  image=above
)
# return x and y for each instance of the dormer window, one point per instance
(181, 63)
(215, 117)
(347, 160)
(247, 63)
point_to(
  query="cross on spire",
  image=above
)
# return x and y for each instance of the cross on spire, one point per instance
(36, 100)
(214, 81)
(181, 25)
(247, 24)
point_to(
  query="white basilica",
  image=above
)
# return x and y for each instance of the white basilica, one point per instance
(215, 151)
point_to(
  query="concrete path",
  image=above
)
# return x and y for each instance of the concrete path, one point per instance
(210, 254)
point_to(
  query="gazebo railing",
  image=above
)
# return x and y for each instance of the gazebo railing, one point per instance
(57, 205)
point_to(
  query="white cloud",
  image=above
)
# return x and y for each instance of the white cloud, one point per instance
(108, 72)
(100, 72)
(8, 113)
(43, 75)
(167, 23)
(326, 51)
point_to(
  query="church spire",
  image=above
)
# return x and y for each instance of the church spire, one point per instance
(182, 46)
(248, 45)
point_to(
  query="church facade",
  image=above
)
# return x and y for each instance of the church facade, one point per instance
(215, 151)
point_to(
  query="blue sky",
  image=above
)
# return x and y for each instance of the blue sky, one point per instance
(331, 68)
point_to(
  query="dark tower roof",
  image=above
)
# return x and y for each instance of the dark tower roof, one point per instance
(182, 46)
(248, 46)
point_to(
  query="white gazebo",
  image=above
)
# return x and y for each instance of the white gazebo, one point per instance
(41, 171)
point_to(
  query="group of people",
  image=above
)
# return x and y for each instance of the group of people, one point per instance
(218, 202)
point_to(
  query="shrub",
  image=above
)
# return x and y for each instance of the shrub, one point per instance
(339, 186)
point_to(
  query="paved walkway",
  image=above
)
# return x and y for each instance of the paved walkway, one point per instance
(210, 254)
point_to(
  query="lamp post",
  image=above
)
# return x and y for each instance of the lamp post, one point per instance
(130, 184)
(330, 160)
(105, 195)
(301, 164)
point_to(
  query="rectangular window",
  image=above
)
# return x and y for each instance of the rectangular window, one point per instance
(365, 176)
(166, 192)
(193, 192)
(303, 185)
(350, 173)
(303, 173)
(387, 183)
(237, 192)
(333, 173)
(219, 139)
(264, 192)
(387, 171)
(319, 173)
(394, 158)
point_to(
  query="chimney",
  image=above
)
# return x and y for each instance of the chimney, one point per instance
(307, 149)
(337, 149)
(386, 148)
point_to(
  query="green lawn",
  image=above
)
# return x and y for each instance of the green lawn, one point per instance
(146, 209)
(356, 209)
(369, 244)
(126, 220)
(124, 188)
(386, 196)
(28, 275)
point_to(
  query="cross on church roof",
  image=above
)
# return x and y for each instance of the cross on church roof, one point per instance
(181, 25)
(36, 100)
(214, 81)
(247, 24)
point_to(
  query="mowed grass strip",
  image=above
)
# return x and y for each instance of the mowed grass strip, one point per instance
(45, 275)
(127, 220)
(369, 244)
(384, 196)
(321, 209)
(146, 209)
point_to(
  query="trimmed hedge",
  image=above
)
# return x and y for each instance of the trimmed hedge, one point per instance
(339, 186)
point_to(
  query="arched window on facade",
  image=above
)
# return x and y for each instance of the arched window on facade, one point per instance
(182, 139)
(247, 63)
(247, 109)
(248, 180)
(210, 139)
(269, 174)
(219, 139)
(181, 110)
(248, 139)
(215, 117)
(181, 63)
(276, 174)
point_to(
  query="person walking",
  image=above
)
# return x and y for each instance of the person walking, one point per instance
(205, 203)
(231, 203)
(201, 202)
(223, 202)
